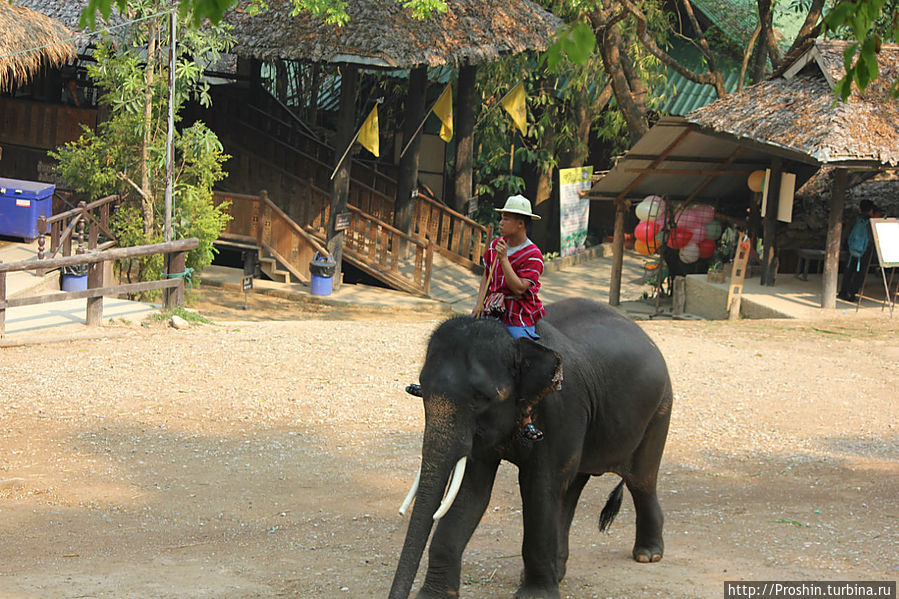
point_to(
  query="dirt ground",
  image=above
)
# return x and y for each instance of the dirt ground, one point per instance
(268, 457)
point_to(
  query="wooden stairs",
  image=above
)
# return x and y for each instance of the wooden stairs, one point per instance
(287, 222)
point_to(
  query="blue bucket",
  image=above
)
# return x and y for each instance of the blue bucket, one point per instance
(74, 283)
(321, 272)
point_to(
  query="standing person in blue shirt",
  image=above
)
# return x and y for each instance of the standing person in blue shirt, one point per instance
(860, 250)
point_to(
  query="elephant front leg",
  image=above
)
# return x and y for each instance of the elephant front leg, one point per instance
(455, 529)
(541, 505)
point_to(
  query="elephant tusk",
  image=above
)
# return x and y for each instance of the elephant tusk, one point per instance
(455, 483)
(411, 495)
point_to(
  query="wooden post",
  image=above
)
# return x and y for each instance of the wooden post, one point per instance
(94, 315)
(2, 310)
(769, 261)
(340, 184)
(408, 170)
(464, 115)
(621, 208)
(174, 264)
(832, 245)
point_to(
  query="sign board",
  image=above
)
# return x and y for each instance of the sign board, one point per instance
(342, 222)
(247, 283)
(574, 211)
(784, 199)
(886, 240)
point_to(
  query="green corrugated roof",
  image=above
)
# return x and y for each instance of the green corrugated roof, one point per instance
(738, 18)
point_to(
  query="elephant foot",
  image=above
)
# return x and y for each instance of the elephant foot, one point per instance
(648, 554)
(526, 592)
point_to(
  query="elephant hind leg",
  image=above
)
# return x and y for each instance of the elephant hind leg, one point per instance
(641, 482)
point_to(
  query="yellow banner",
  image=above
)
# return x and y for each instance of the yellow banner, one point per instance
(443, 108)
(368, 134)
(515, 104)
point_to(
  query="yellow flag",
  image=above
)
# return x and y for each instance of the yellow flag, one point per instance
(368, 134)
(515, 104)
(443, 108)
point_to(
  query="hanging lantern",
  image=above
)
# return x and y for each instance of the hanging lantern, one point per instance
(756, 180)
(679, 237)
(713, 230)
(706, 248)
(689, 253)
(646, 230)
(650, 208)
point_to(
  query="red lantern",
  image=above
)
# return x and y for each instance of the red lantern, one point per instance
(679, 237)
(646, 230)
(706, 248)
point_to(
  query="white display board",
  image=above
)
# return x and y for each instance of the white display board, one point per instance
(574, 211)
(886, 240)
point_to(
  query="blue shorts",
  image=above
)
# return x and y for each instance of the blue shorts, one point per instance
(519, 332)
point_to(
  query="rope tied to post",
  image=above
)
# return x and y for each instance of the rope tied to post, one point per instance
(187, 275)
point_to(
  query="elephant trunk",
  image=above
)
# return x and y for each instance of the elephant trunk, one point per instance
(446, 441)
(427, 501)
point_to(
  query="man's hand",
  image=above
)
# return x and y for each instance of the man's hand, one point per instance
(501, 248)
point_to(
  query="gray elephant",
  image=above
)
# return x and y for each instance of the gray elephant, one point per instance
(610, 415)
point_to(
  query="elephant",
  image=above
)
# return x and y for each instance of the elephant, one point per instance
(609, 414)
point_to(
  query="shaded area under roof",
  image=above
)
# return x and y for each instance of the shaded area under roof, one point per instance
(382, 33)
(28, 41)
(688, 164)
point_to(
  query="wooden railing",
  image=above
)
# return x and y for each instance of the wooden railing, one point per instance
(455, 236)
(378, 248)
(69, 226)
(373, 246)
(255, 219)
(173, 285)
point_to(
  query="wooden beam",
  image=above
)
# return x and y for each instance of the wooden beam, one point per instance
(181, 245)
(89, 293)
(769, 225)
(688, 171)
(832, 245)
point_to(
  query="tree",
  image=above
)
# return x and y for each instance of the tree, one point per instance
(127, 153)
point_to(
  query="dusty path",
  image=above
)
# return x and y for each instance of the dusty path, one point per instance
(267, 459)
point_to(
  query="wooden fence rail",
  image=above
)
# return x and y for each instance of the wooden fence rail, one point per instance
(175, 254)
(69, 226)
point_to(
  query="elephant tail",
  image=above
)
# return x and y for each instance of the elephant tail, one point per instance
(613, 504)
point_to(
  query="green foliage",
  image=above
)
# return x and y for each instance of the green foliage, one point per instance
(111, 159)
(868, 23)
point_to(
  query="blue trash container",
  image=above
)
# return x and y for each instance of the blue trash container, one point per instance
(21, 204)
(321, 272)
(74, 278)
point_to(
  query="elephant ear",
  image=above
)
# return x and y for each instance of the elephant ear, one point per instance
(539, 371)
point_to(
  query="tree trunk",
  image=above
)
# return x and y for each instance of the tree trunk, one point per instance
(145, 183)
(466, 104)
(408, 174)
(340, 185)
(604, 22)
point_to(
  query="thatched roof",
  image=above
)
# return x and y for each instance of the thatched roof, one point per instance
(796, 111)
(383, 33)
(22, 29)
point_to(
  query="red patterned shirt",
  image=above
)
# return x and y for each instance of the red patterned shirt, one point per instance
(527, 263)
